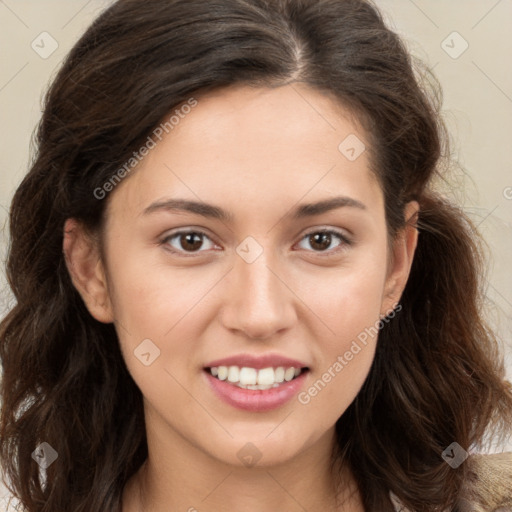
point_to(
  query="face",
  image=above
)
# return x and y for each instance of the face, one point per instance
(259, 285)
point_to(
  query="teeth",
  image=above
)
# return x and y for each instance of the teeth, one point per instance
(289, 374)
(252, 378)
(233, 374)
(279, 374)
(248, 376)
(266, 376)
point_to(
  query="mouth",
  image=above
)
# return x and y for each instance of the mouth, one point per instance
(256, 383)
(256, 379)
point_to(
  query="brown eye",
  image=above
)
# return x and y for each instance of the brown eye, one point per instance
(321, 241)
(187, 241)
(190, 241)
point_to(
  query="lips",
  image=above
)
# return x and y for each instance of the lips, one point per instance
(258, 362)
(256, 383)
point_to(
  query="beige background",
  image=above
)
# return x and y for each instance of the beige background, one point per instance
(478, 105)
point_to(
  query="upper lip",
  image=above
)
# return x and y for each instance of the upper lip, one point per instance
(258, 362)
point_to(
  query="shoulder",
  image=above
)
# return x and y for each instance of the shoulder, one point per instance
(489, 484)
(488, 487)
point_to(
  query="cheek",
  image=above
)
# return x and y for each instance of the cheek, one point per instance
(334, 387)
(349, 304)
(152, 312)
(345, 357)
(156, 334)
(153, 299)
(345, 300)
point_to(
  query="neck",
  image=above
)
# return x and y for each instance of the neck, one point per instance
(179, 476)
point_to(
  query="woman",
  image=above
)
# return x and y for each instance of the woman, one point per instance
(236, 287)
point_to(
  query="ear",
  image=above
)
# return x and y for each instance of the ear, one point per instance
(85, 267)
(400, 260)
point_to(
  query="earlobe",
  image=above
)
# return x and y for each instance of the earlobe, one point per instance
(86, 270)
(404, 248)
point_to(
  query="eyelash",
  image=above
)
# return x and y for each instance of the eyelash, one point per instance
(345, 241)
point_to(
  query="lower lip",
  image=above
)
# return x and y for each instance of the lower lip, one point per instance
(256, 400)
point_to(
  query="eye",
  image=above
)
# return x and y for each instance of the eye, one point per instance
(191, 241)
(322, 239)
(186, 241)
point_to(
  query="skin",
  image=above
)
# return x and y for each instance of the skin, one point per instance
(257, 153)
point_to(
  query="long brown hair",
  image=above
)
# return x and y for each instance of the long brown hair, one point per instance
(437, 376)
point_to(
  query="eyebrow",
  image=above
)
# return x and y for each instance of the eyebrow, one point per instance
(215, 212)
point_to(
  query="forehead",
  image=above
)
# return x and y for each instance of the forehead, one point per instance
(245, 114)
(244, 143)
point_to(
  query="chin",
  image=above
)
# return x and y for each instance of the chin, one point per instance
(256, 449)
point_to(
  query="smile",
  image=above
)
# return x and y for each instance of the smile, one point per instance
(253, 378)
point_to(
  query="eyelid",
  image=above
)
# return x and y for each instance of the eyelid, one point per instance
(184, 231)
(346, 240)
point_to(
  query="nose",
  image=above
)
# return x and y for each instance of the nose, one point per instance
(259, 303)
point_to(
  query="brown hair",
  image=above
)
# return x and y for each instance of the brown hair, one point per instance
(437, 376)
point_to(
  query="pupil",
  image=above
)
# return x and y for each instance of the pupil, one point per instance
(321, 236)
(189, 237)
